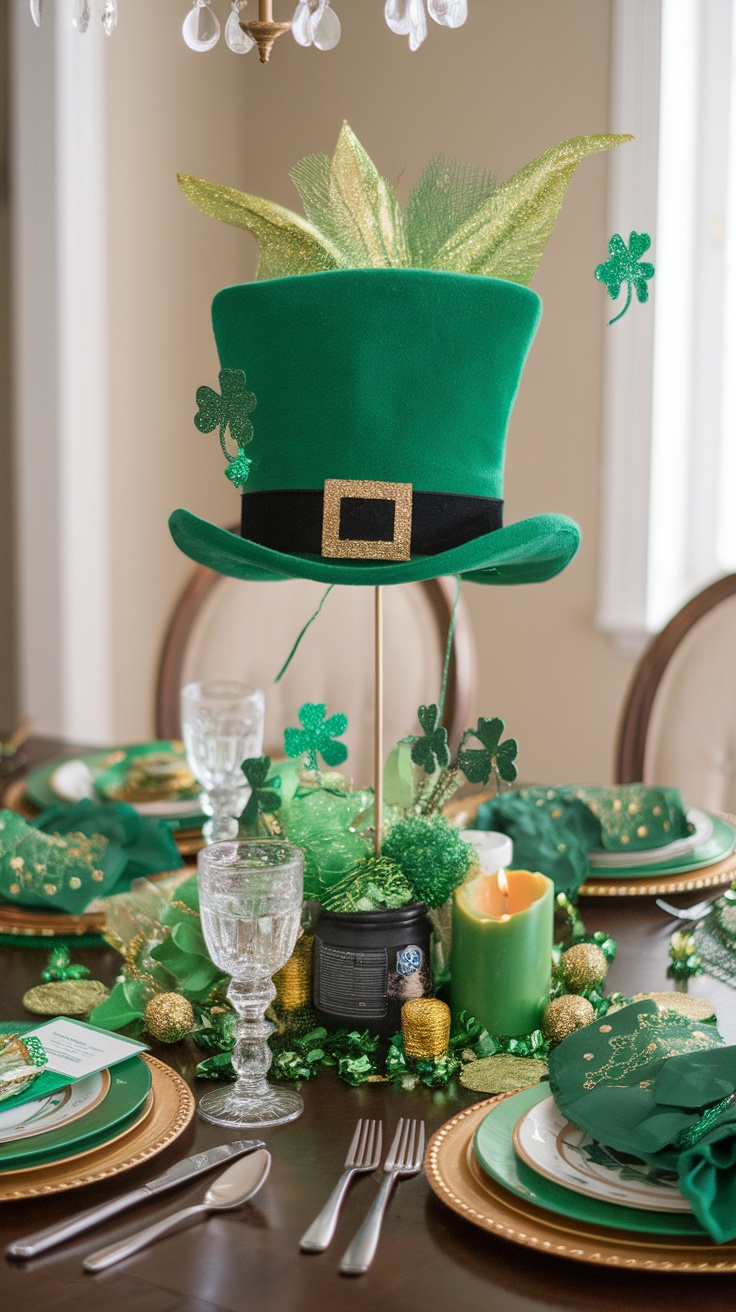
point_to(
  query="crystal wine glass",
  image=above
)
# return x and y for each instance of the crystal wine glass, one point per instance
(222, 725)
(250, 902)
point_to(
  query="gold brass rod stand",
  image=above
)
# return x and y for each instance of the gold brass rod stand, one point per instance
(378, 721)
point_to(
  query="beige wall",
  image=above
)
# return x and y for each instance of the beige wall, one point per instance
(8, 689)
(520, 75)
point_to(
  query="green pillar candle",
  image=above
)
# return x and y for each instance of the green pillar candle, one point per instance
(502, 950)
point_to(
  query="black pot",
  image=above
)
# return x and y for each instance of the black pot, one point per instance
(367, 964)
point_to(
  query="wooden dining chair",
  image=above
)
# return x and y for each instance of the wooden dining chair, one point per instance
(224, 628)
(678, 726)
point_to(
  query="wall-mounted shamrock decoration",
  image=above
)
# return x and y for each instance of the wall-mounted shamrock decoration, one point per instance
(494, 757)
(317, 735)
(229, 410)
(625, 266)
(431, 751)
(263, 797)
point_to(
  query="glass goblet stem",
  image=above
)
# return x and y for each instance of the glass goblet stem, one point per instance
(251, 1056)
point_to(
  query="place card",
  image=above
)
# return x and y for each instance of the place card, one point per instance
(74, 1050)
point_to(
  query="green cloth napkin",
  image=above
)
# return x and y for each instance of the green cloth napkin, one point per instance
(663, 1089)
(70, 855)
(554, 829)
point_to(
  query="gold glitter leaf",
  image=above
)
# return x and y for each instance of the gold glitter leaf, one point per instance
(287, 243)
(507, 234)
(364, 210)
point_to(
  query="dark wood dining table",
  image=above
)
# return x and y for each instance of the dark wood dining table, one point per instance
(249, 1261)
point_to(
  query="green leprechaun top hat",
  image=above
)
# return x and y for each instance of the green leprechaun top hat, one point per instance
(383, 394)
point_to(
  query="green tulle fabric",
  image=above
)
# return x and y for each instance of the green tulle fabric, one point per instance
(457, 219)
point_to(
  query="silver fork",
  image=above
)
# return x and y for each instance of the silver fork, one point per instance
(364, 1154)
(404, 1158)
(696, 912)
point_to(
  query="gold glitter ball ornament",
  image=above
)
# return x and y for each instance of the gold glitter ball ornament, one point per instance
(565, 1015)
(697, 1009)
(425, 1028)
(583, 966)
(65, 997)
(503, 1073)
(168, 1017)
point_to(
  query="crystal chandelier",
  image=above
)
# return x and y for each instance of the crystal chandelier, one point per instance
(314, 22)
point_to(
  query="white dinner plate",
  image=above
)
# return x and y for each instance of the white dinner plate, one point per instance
(654, 855)
(555, 1148)
(55, 1110)
(73, 782)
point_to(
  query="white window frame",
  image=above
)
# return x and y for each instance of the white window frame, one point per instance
(672, 83)
(60, 253)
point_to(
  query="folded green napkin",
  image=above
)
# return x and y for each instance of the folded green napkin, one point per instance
(554, 829)
(70, 855)
(662, 1089)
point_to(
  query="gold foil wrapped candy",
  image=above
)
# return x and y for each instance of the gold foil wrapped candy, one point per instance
(65, 997)
(20, 1064)
(293, 983)
(425, 1028)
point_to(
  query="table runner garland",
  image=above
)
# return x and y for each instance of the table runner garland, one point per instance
(170, 988)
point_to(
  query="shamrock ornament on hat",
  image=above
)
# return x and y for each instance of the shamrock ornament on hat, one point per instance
(229, 410)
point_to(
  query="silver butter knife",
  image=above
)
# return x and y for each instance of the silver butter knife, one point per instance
(188, 1169)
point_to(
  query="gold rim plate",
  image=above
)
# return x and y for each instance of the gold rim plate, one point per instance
(459, 1181)
(144, 1112)
(172, 1110)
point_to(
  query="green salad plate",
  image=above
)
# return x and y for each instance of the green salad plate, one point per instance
(122, 1092)
(494, 1150)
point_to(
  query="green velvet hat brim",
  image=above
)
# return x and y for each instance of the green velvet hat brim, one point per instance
(530, 551)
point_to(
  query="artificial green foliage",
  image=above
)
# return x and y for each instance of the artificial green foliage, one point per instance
(625, 265)
(264, 797)
(456, 218)
(432, 855)
(228, 411)
(375, 882)
(493, 757)
(317, 736)
(431, 751)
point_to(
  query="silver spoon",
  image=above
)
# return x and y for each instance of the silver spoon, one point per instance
(231, 1189)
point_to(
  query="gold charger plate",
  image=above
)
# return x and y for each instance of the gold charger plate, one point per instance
(462, 812)
(144, 1113)
(459, 1181)
(172, 1110)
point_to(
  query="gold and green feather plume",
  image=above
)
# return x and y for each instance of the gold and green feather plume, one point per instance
(457, 219)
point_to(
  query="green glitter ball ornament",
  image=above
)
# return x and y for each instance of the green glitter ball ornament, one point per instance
(168, 1017)
(565, 1015)
(582, 967)
(432, 855)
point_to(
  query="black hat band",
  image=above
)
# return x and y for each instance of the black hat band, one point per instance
(292, 522)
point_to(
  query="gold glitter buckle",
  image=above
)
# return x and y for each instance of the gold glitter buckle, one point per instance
(396, 548)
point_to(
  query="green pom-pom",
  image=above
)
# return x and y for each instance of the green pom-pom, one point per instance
(432, 855)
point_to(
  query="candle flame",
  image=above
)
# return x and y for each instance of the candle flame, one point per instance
(503, 883)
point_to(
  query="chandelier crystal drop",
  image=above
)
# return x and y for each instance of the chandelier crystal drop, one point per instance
(201, 27)
(236, 38)
(314, 22)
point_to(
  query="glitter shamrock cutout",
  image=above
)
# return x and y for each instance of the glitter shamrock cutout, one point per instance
(263, 798)
(229, 410)
(494, 757)
(625, 266)
(431, 751)
(317, 735)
